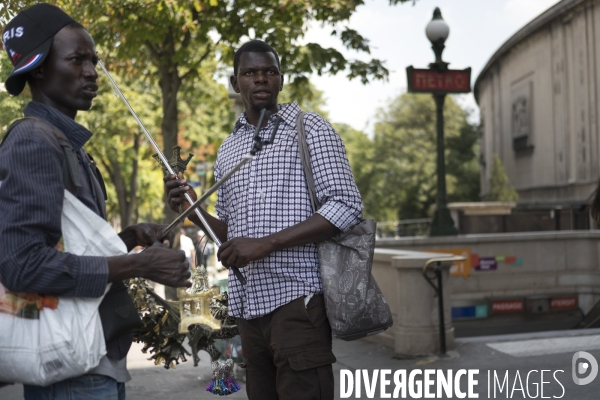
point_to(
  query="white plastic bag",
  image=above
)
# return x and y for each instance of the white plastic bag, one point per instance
(44, 339)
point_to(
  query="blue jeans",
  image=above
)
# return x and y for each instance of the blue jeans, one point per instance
(85, 387)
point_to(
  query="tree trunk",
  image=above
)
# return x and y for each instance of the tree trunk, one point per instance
(131, 215)
(127, 199)
(169, 85)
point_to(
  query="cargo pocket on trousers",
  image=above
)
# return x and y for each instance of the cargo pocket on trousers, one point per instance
(310, 358)
(319, 360)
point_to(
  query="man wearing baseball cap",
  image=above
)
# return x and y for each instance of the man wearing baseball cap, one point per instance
(56, 57)
(28, 40)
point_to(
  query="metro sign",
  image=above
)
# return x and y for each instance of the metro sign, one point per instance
(507, 306)
(561, 303)
(433, 81)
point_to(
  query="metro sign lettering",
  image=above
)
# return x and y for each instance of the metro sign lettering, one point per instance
(560, 303)
(432, 81)
(508, 306)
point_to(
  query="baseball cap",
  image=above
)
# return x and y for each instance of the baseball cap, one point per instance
(28, 39)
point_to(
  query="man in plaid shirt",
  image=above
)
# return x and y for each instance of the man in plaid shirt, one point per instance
(270, 231)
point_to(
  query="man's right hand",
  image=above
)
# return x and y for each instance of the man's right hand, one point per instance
(157, 263)
(176, 188)
(166, 266)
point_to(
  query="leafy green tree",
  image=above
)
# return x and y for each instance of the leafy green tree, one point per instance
(122, 153)
(170, 42)
(313, 100)
(10, 107)
(500, 187)
(462, 163)
(401, 182)
(359, 149)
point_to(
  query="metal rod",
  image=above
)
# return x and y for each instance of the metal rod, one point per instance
(162, 157)
(439, 291)
(139, 121)
(438, 273)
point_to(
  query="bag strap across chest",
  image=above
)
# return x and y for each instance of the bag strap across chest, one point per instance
(305, 159)
(71, 175)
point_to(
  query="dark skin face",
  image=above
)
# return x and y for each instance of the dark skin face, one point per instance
(67, 78)
(259, 81)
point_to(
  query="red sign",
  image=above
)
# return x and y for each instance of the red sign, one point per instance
(561, 303)
(432, 81)
(507, 306)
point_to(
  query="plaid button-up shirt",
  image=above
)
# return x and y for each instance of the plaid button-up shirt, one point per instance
(270, 194)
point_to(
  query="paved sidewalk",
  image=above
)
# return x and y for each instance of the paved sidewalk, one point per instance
(518, 358)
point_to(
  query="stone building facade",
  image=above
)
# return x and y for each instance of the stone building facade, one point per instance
(539, 99)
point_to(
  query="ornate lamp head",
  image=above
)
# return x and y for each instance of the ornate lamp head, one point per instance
(437, 32)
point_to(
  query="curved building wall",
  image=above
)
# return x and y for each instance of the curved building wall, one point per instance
(539, 102)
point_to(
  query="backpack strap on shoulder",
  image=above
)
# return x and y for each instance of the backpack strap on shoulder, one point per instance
(9, 130)
(71, 175)
(98, 175)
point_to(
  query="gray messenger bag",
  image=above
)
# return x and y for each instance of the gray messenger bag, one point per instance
(355, 305)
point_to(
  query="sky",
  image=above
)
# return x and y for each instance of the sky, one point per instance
(397, 35)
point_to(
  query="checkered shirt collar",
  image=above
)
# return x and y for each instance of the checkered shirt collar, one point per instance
(288, 112)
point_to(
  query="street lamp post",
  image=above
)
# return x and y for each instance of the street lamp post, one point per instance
(437, 32)
(439, 81)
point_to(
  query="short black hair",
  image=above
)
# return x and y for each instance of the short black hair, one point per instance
(253, 46)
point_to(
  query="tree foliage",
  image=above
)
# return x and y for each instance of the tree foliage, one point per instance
(399, 178)
(122, 153)
(500, 187)
(10, 107)
(313, 100)
(360, 151)
(173, 43)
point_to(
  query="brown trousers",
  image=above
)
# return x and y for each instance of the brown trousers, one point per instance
(288, 353)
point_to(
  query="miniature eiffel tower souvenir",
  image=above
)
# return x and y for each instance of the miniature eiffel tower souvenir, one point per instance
(222, 382)
(200, 315)
(194, 303)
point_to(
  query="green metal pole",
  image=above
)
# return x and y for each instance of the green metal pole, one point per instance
(442, 224)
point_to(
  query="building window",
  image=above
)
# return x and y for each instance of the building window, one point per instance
(521, 117)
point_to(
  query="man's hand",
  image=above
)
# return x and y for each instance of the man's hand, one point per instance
(157, 263)
(176, 188)
(239, 252)
(144, 234)
(166, 266)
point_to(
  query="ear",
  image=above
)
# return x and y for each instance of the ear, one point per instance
(37, 73)
(34, 80)
(281, 85)
(234, 85)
